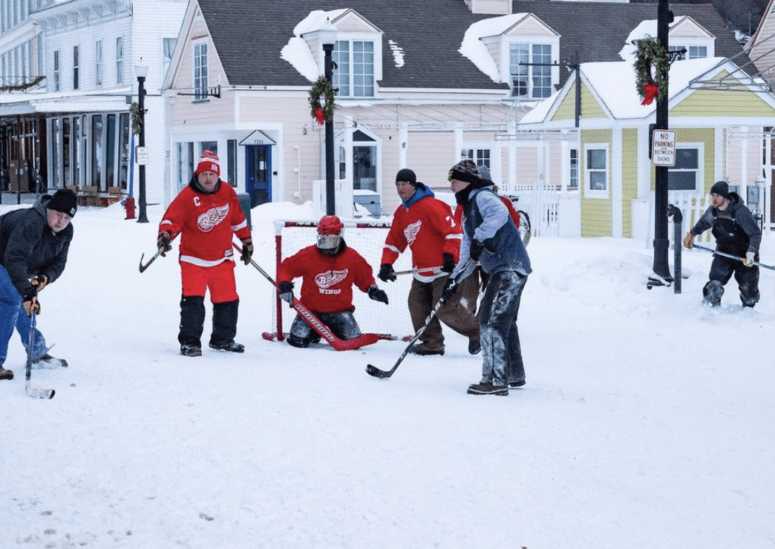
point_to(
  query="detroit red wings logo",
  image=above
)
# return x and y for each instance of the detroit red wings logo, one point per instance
(208, 220)
(410, 233)
(330, 278)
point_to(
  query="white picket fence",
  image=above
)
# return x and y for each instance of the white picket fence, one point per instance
(541, 204)
(692, 206)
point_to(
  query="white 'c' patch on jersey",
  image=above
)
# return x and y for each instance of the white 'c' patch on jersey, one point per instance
(410, 233)
(208, 220)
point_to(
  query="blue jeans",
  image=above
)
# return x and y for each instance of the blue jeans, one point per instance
(12, 314)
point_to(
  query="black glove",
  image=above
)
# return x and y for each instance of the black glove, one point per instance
(286, 292)
(247, 250)
(387, 273)
(449, 262)
(163, 243)
(30, 302)
(449, 289)
(475, 250)
(378, 295)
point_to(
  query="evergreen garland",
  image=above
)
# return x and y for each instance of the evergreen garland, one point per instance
(652, 54)
(137, 120)
(22, 87)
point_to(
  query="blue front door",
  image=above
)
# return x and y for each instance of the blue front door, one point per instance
(258, 167)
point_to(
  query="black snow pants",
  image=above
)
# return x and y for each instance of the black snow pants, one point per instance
(192, 321)
(721, 270)
(501, 351)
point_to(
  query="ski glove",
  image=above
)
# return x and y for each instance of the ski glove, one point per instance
(286, 292)
(163, 243)
(749, 259)
(31, 304)
(449, 262)
(247, 250)
(688, 240)
(476, 250)
(449, 289)
(378, 295)
(39, 282)
(387, 273)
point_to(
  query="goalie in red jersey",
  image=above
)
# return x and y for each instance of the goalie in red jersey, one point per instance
(206, 215)
(328, 271)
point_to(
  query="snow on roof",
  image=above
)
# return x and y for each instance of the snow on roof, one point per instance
(646, 29)
(474, 49)
(297, 52)
(398, 53)
(614, 84)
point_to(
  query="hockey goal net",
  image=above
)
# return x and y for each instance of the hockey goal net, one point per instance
(368, 239)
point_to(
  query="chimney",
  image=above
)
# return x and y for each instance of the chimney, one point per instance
(489, 7)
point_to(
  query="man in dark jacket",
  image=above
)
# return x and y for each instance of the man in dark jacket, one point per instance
(33, 253)
(737, 233)
(490, 237)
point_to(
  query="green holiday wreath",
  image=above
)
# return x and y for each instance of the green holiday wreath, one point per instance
(322, 112)
(22, 87)
(650, 83)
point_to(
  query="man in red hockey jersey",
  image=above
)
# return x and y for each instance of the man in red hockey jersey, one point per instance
(328, 271)
(426, 225)
(206, 214)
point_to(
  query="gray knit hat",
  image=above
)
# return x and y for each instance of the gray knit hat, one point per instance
(465, 170)
(720, 188)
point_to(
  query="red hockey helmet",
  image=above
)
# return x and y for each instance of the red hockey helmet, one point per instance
(330, 229)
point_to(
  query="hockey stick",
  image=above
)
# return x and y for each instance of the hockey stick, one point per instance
(144, 267)
(730, 256)
(315, 323)
(35, 392)
(383, 374)
(413, 271)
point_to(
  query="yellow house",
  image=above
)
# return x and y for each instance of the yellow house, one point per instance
(717, 111)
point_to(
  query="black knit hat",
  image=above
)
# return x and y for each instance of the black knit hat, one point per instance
(720, 188)
(465, 170)
(65, 201)
(406, 175)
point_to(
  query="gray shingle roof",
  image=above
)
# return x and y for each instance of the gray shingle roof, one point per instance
(249, 35)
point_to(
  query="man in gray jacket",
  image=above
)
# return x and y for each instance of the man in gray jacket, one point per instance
(33, 253)
(490, 236)
(736, 233)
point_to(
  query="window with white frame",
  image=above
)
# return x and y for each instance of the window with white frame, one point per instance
(529, 70)
(56, 70)
(692, 52)
(354, 68)
(480, 157)
(98, 63)
(573, 167)
(200, 71)
(75, 67)
(596, 170)
(120, 60)
(687, 174)
(167, 47)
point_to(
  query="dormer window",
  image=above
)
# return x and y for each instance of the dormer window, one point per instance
(529, 70)
(692, 52)
(687, 34)
(354, 70)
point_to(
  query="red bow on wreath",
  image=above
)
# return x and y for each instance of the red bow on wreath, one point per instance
(320, 116)
(651, 92)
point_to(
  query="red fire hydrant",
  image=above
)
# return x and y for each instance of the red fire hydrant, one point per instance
(129, 204)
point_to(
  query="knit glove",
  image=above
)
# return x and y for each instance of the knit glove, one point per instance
(749, 259)
(448, 262)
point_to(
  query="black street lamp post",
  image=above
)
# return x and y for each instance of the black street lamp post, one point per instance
(141, 71)
(328, 39)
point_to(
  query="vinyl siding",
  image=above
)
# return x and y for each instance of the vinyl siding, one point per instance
(596, 213)
(732, 103)
(590, 108)
(630, 160)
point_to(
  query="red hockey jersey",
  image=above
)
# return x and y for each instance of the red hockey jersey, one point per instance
(206, 223)
(509, 205)
(327, 280)
(428, 228)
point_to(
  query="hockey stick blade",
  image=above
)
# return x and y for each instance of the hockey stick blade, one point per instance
(376, 372)
(144, 267)
(40, 392)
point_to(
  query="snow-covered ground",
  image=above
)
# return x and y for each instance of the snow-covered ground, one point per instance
(647, 420)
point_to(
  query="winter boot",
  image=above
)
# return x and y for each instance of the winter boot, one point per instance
(712, 293)
(48, 362)
(229, 346)
(516, 384)
(5, 374)
(422, 350)
(488, 389)
(190, 350)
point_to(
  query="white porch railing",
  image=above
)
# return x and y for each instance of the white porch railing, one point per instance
(692, 206)
(541, 204)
